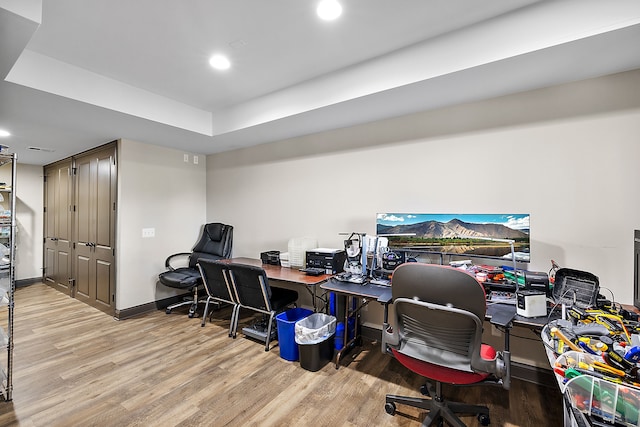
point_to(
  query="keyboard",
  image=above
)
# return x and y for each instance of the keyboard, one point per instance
(380, 282)
(313, 271)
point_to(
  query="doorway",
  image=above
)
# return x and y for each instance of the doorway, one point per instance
(80, 212)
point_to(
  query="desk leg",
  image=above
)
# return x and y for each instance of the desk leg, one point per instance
(357, 339)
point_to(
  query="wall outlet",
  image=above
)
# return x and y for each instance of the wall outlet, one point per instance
(148, 232)
(195, 160)
(186, 158)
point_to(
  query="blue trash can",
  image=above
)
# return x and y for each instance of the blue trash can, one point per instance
(286, 324)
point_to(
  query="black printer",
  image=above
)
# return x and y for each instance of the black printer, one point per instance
(331, 260)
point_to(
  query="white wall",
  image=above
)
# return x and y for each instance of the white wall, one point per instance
(156, 189)
(29, 221)
(29, 218)
(567, 155)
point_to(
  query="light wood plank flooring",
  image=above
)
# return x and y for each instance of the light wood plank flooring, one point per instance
(76, 366)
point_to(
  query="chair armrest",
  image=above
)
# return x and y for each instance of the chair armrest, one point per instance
(170, 258)
(503, 318)
(390, 338)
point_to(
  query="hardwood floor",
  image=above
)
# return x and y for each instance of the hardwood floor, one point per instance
(75, 365)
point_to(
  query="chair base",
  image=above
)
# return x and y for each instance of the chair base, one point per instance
(439, 409)
(193, 306)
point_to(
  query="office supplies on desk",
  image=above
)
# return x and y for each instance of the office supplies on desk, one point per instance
(351, 278)
(380, 282)
(502, 297)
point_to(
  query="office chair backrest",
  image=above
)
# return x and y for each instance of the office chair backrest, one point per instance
(439, 315)
(215, 242)
(216, 280)
(251, 286)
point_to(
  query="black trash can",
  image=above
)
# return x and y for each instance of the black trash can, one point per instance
(314, 336)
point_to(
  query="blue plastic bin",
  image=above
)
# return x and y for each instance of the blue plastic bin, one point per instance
(286, 324)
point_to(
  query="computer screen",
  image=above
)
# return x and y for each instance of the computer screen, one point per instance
(490, 235)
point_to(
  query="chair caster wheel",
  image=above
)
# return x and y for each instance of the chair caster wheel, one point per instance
(168, 311)
(390, 408)
(484, 419)
(191, 315)
(424, 390)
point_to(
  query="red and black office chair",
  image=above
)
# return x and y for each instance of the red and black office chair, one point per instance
(215, 242)
(439, 313)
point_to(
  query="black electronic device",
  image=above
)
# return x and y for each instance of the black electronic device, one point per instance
(391, 259)
(537, 281)
(331, 260)
(270, 257)
(576, 288)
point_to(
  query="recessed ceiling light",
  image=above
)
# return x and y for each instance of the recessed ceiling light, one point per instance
(4, 133)
(329, 10)
(220, 62)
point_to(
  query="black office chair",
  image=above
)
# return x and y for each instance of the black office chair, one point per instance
(216, 280)
(439, 314)
(215, 243)
(252, 289)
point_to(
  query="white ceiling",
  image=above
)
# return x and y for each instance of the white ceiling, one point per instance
(79, 73)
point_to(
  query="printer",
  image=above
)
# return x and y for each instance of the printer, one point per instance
(331, 260)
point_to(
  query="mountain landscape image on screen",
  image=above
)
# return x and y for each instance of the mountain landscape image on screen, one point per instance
(481, 234)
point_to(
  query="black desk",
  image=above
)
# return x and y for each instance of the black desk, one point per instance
(362, 294)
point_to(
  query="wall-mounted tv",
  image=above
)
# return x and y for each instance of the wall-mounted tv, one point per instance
(488, 235)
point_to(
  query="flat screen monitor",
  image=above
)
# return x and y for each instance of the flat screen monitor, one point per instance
(490, 235)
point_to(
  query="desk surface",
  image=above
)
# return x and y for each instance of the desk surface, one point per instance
(286, 274)
(381, 293)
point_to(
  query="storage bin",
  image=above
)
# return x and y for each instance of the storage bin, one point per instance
(298, 247)
(286, 322)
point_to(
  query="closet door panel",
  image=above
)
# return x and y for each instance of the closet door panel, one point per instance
(95, 230)
(58, 230)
